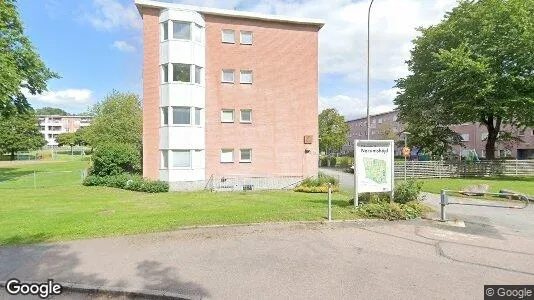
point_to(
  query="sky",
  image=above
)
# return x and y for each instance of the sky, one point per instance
(96, 46)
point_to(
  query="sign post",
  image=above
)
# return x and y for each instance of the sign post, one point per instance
(373, 167)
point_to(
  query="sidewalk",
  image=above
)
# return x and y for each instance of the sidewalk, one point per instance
(345, 260)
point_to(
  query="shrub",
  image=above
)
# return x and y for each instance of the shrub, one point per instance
(394, 211)
(318, 185)
(128, 182)
(116, 159)
(323, 161)
(315, 189)
(344, 162)
(407, 191)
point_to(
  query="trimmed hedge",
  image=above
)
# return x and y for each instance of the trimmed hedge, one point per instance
(128, 182)
(405, 191)
(394, 211)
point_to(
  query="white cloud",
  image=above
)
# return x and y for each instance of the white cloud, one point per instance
(111, 14)
(353, 107)
(68, 97)
(123, 46)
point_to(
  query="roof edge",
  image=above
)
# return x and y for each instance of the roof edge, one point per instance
(229, 13)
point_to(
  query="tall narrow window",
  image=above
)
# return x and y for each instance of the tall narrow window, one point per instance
(228, 76)
(165, 26)
(197, 33)
(181, 158)
(227, 155)
(181, 115)
(197, 115)
(246, 76)
(181, 30)
(165, 72)
(165, 115)
(181, 72)
(245, 155)
(246, 37)
(228, 36)
(164, 159)
(198, 73)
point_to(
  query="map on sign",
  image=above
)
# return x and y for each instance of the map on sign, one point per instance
(375, 169)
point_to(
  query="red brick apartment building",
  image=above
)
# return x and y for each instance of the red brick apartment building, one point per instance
(473, 135)
(227, 94)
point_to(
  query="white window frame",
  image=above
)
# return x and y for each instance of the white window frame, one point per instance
(165, 159)
(241, 37)
(241, 72)
(199, 77)
(165, 73)
(164, 28)
(190, 30)
(227, 71)
(222, 115)
(190, 72)
(241, 160)
(184, 151)
(198, 119)
(197, 33)
(227, 41)
(222, 159)
(163, 110)
(184, 124)
(241, 120)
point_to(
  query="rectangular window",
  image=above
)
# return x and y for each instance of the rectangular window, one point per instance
(228, 36)
(181, 30)
(227, 155)
(246, 76)
(245, 155)
(165, 30)
(181, 115)
(165, 113)
(228, 76)
(164, 159)
(246, 116)
(198, 72)
(227, 116)
(380, 121)
(246, 37)
(181, 72)
(181, 158)
(165, 71)
(197, 33)
(197, 115)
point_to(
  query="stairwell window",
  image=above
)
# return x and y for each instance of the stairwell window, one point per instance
(181, 30)
(246, 76)
(181, 115)
(181, 72)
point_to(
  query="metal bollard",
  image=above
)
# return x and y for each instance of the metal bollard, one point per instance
(329, 202)
(443, 201)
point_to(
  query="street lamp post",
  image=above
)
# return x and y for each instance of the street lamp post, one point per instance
(405, 146)
(368, 62)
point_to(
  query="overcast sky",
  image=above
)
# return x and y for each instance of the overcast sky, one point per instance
(96, 46)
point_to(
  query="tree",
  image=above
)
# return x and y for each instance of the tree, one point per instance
(20, 132)
(21, 67)
(477, 65)
(332, 131)
(118, 120)
(436, 139)
(66, 139)
(386, 131)
(80, 137)
(51, 111)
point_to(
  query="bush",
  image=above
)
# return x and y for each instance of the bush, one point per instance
(115, 160)
(407, 191)
(128, 182)
(315, 189)
(323, 161)
(318, 185)
(394, 211)
(344, 162)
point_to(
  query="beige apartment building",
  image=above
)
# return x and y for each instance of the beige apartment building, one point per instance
(473, 135)
(52, 126)
(227, 94)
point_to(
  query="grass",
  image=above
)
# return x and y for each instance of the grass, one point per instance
(61, 209)
(523, 185)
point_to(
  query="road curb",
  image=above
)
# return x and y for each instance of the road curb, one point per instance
(116, 291)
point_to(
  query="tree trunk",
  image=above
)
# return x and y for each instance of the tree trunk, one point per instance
(12, 157)
(493, 133)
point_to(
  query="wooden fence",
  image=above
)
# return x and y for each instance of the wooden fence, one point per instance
(439, 169)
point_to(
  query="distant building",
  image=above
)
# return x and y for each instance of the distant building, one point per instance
(51, 126)
(473, 134)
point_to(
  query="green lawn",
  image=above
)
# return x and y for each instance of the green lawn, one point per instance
(519, 184)
(61, 209)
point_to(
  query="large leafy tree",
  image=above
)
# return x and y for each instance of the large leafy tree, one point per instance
(118, 119)
(67, 139)
(332, 131)
(51, 111)
(21, 68)
(20, 132)
(477, 65)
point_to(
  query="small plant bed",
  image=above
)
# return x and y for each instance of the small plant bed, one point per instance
(318, 185)
(128, 182)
